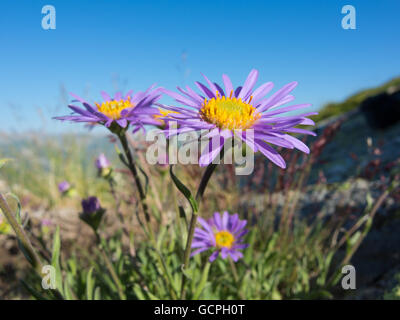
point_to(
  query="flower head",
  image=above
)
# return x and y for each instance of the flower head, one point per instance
(46, 222)
(102, 162)
(233, 112)
(64, 186)
(223, 233)
(121, 109)
(92, 212)
(90, 205)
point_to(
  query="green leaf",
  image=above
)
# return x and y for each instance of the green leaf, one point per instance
(19, 207)
(203, 281)
(184, 190)
(97, 294)
(138, 291)
(68, 292)
(55, 258)
(56, 248)
(89, 285)
(186, 272)
(32, 291)
(25, 252)
(121, 156)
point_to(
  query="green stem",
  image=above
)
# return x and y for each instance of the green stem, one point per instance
(21, 235)
(23, 238)
(234, 271)
(134, 171)
(203, 281)
(199, 195)
(132, 167)
(110, 267)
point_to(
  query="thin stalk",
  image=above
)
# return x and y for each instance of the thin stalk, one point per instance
(21, 235)
(110, 267)
(26, 243)
(370, 216)
(134, 171)
(234, 271)
(132, 167)
(117, 206)
(199, 195)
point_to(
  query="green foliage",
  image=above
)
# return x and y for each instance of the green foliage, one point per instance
(276, 266)
(394, 293)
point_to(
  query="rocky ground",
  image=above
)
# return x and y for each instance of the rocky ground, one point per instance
(360, 160)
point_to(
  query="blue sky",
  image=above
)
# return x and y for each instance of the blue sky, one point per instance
(110, 45)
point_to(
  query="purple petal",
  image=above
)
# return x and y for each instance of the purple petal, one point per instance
(298, 130)
(262, 91)
(217, 221)
(227, 84)
(297, 143)
(271, 153)
(224, 253)
(204, 224)
(105, 95)
(211, 151)
(198, 251)
(214, 256)
(249, 84)
(225, 219)
(205, 90)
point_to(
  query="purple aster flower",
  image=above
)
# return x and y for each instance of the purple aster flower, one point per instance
(64, 186)
(122, 109)
(233, 112)
(102, 162)
(90, 205)
(224, 233)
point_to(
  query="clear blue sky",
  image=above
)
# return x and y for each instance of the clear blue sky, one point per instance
(105, 45)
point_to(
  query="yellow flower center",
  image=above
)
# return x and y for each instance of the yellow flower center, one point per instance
(229, 113)
(113, 108)
(224, 239)
(163, 113)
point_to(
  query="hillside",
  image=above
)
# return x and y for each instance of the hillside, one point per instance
(336, 108)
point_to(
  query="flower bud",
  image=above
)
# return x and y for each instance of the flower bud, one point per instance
(103, 165)
(66, 189)
(92, 212)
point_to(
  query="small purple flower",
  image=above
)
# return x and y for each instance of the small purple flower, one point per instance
(224, 233)
(46, 222)
(122, 109)
(64, 186)
(102, 162)
(90, 205)
(92, 212)
(241, 112)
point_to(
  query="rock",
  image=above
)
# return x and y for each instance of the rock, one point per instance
(382, 110)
